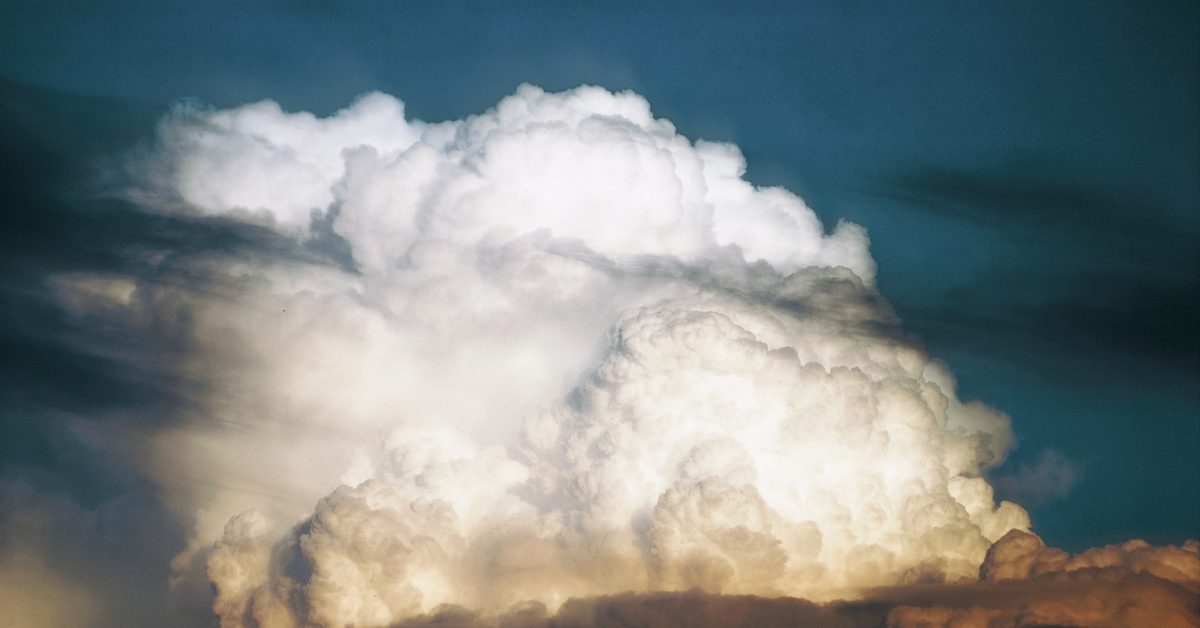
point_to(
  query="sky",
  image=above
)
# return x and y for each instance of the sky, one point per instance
(1028, 176)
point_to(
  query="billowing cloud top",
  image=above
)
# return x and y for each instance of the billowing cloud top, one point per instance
(586, 166)
(568, 353)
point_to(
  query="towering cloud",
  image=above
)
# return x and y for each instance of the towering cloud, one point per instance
(555, 350)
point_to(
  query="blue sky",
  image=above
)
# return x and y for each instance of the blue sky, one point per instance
(1028, 172)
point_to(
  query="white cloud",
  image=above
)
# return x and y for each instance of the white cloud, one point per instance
(579, 355)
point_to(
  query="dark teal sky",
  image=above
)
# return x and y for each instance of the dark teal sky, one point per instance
(1029, 174)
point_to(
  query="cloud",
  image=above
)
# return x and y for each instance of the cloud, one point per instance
(662, 610)
(1129, 585)
(1025, 583)
(1050, 478)
(1022, 555)
(58, 559)
(550, 363)
(564, 352)
(1028, 193)
(36, 597)
(1117, 292)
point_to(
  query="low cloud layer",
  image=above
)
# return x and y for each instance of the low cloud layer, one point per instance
(1024, 584)
(553, 363)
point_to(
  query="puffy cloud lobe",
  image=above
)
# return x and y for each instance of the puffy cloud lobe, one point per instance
(752, 422)
(767, 473)
(585, 165)
(258, 160)
(696, 456)
(1022, 555)
(1025, 583)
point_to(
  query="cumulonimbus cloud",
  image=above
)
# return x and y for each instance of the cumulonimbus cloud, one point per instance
(571, 353)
